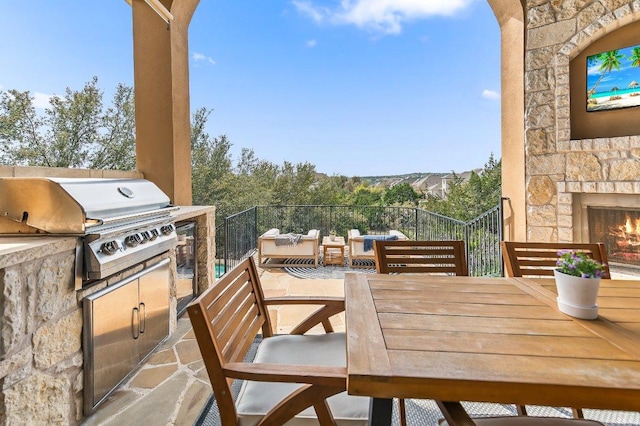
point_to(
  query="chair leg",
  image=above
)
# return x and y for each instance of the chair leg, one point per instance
(522, 410)
(403, 412)
(577, 413)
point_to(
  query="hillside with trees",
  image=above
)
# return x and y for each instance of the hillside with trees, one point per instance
(77, 130)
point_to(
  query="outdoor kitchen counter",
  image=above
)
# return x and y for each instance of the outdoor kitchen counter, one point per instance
(190, 212)
(17, 250)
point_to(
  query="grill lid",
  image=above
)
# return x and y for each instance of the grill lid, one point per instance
(71, 205)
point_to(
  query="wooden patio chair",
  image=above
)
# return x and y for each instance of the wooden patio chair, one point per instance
(292, 375)
(539, 260)
(419, 257)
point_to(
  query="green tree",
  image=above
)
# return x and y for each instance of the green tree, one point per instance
(210, 163)
(466, 200)
(116, 146)
(364, 195)
(74, 131)
(20, 135)
(402, 194)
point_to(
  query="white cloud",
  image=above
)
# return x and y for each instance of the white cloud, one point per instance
(386, 16)
(41, 100)
(200, 57)
(306, 8)
(490, 94)
(311, 43)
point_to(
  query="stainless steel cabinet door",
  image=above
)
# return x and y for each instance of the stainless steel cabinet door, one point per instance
(154, 307)
(113, 351)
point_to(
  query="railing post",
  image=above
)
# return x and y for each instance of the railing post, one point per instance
(255, 227)
(226, 243)
(467, 246)
(501, 231)
(415, 214)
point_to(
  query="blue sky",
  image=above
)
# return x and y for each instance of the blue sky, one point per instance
(356, 87)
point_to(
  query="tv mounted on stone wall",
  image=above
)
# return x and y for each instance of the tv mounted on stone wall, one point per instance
(613, 79)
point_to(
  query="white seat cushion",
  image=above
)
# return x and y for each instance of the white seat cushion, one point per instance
(257, 398)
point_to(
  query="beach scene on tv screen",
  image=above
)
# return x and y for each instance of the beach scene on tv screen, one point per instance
(613, 79)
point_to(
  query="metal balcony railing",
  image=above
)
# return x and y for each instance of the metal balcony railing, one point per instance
(237, 238)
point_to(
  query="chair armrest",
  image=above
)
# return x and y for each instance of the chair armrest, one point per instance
(329, 306)
(305, 300)
(271, 233)
(353, 233)
(287, 373)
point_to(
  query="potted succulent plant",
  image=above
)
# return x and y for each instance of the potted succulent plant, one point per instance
(578, 280)
(332, 235)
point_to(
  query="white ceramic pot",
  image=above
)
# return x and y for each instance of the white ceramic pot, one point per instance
(577, 296)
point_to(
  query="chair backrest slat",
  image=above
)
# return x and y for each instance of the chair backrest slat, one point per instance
(226, 319)
(539, 259)
(420, 257)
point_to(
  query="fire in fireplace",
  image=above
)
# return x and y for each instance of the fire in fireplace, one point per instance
(619, 230)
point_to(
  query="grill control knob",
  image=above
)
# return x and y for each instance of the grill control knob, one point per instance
(154, 234)
(109, 247)
(133, 240)
(167, 229)
(146, 236)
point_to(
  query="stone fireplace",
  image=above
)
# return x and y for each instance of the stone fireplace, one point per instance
(619, 230)
(582, 169)
(612, 219)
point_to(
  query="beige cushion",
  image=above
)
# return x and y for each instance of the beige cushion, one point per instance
(256, 398)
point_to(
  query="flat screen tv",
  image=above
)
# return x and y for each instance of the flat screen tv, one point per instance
(613, 79)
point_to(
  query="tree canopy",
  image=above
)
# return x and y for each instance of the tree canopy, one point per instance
(74, 131)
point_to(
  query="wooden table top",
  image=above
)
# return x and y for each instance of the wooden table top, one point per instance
(337, 242)
(491, 339)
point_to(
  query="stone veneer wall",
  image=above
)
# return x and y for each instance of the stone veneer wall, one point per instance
(41, 346)
(41, 355)
(556, 166)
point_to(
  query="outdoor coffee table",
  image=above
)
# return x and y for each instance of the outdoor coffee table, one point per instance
(333, 251)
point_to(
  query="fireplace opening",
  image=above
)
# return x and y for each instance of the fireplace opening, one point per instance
(619, 230)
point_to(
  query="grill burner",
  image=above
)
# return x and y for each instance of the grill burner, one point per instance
(122, 221)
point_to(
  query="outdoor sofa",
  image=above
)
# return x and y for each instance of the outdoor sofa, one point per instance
(274, 248)
(361, 246)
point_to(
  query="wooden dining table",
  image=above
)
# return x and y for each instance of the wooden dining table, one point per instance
(489, 339)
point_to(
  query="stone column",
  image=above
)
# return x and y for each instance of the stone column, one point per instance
(510, 16)
(161, 83)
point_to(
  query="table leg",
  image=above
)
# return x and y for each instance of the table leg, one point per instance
(380, 412)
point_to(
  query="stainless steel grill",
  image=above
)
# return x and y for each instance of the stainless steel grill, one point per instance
(122, 222)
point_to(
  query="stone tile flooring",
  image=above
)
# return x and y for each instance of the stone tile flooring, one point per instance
(172, 386)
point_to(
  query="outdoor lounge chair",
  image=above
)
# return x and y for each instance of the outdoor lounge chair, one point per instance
(361, 246)
(274, 248)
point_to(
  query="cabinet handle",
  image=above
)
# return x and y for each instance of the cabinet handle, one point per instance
(135, 323)
(143, 322)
